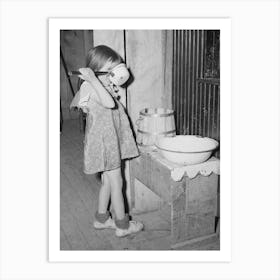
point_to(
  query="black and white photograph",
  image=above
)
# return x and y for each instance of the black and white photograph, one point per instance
(139, 139)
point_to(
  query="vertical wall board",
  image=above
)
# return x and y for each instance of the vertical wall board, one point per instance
(144, 52)
(65, 95)
(167, 50)
(88, 40)
(149, 58)
(74, 44)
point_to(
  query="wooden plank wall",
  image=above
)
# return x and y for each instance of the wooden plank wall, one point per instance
(147, 58)
(74, 45)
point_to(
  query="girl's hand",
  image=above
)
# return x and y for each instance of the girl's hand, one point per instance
(87, 75)
(85, 109)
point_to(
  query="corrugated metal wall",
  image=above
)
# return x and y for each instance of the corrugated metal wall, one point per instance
(196, 100)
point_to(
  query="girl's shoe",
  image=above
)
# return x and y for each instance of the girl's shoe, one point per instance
(110, 223)
(133, 228)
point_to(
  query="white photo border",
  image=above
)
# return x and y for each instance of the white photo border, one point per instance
(57, 24)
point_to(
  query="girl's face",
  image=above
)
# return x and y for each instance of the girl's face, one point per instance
(108, 66)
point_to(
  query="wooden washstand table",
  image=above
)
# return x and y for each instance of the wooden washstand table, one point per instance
(192, 201)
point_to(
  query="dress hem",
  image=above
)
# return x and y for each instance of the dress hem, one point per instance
(101, 170)
(108, 169)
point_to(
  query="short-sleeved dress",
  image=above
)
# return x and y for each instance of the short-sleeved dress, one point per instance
(108, 137)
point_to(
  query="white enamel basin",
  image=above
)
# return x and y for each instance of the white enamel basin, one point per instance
(186, 149)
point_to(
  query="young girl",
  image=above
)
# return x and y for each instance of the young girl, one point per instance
(108, 138)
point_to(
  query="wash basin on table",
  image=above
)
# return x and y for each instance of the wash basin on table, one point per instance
(186, 149)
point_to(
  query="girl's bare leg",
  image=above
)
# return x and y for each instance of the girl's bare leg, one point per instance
(104, 193)
(116, 184)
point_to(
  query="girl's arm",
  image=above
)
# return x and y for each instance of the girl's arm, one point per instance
(103, 96)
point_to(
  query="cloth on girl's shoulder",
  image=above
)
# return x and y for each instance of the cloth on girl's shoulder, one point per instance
(81, 98)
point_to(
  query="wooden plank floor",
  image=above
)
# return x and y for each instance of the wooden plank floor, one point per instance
(78, 203)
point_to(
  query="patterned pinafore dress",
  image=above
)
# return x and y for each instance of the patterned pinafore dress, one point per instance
(108, 137)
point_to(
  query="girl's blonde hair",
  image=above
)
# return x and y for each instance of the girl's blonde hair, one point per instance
(99, 55)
